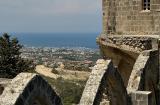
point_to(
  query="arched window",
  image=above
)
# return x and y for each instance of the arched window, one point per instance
(146, 5)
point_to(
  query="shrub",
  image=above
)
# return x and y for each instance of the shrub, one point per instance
(70, 91)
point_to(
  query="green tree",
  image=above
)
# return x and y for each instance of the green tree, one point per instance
(11, 62)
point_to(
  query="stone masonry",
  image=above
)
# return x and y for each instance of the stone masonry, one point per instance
(128, 74)
(141, 98)
(105, 86)
(28, 89)
(130, 38)
(127, 17)
(145, 75)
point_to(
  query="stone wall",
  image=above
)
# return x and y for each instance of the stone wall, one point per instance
(29, 89)
(151, 77)
(105, 86)
(123, 50)
(128, 17)
(129, 38)
(145, 75)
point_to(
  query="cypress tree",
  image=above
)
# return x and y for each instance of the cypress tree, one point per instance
(11, 62)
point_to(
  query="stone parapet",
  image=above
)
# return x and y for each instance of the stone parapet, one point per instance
(134, 43)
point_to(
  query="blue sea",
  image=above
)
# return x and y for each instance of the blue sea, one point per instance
(87, 40)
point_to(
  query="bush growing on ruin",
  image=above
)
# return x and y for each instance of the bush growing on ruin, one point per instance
(11, 62)
(70, 91)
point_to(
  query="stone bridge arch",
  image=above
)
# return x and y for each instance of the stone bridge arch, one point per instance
(29, 89)
(105, 86)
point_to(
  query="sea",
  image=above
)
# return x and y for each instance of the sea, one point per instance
(86, 40)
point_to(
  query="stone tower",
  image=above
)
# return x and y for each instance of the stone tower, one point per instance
(131, 17)
(129, 28)
(129, 73)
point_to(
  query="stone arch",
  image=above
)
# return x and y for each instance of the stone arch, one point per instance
(136, 75)
(123, 60)
(29, 89)
(105, 86)
(145, 75)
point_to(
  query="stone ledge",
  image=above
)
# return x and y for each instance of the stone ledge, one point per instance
(134, 43)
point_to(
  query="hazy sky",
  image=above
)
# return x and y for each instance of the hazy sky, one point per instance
(50, 16)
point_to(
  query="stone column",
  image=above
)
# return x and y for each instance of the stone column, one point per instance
(141, 98)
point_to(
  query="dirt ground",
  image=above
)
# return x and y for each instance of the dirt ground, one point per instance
(65, 74)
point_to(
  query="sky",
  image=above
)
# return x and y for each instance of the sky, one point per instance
(48, 16)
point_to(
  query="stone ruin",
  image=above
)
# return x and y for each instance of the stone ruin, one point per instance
(105, 85)
(129, 74)
(27, 89)
(130, 45)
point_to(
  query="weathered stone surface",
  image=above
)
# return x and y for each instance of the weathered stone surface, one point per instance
(123, 60)
(127, 17)
(3, 83)
(29, 89)
(104, 86)
(141, 98)
(133, 43)
(130, 38)
(145, 75)
(135, 77)
(94, 82)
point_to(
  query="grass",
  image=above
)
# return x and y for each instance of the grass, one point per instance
(70, 91)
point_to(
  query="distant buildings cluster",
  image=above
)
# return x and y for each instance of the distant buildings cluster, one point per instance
(71, 58)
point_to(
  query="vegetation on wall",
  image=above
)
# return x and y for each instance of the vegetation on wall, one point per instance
(70, 91)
